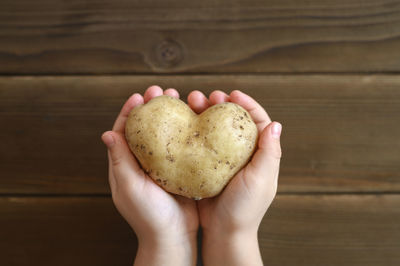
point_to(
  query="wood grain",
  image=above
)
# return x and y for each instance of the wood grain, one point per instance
(332, 230)
(98, 36)
(298, 230)
(340, 133)
(64, 231)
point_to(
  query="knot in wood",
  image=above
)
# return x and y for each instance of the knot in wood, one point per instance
(169, 53)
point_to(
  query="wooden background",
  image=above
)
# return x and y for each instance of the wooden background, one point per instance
(327, 70)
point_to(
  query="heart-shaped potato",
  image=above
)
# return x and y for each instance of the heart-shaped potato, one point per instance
(188, 154)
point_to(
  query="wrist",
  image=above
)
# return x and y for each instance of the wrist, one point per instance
(230, 238)
(226, 232)
(237, 247)
(167, 250)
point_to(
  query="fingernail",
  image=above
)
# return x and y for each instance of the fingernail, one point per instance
(276, 130)
(108, 140)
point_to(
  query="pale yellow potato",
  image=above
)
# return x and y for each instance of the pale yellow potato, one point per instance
(188, 154)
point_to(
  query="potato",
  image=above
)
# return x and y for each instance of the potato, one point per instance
(188, 154)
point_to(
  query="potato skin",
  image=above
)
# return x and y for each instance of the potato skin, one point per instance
(188, 154)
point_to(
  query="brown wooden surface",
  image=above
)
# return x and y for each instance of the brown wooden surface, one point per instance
(64, 231)
(332, 230)
(310, 63)
(341, 133)
(99, 36)
(298, 230)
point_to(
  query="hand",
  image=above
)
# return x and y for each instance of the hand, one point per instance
(230, 221)
(166, 225)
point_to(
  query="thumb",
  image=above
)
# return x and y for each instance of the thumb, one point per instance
(121, 160)
(267, 158)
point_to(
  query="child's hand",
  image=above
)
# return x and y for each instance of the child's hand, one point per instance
(166, 225)
(230, 221)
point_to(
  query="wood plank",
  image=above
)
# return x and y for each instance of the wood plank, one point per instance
(64, 231)
(298, 230)
(332, 230)
(100, 36)
(340, 132)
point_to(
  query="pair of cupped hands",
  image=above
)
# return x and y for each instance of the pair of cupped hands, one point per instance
(166, 225)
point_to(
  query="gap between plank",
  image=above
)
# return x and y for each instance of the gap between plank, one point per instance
(389, 73)
(107, 195)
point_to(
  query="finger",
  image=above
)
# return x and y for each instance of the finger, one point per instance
(197, 101)
(172, 92)
(132, 102)
(151, 92)
(257, 112)
(217, 97)
(108, 140)
(111, 177)
(121, 160)
(266, 160)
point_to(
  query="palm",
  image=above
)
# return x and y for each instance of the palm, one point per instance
(145, 205)
(231, 207)
(170, 210)
(223, 208)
